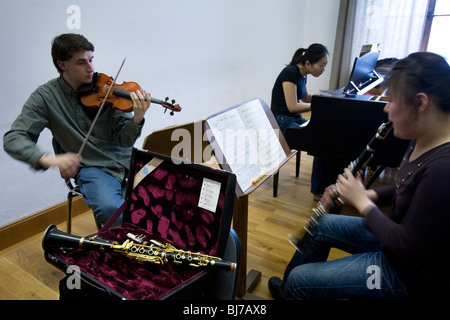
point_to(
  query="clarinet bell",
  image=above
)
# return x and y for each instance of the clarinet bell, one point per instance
(55, 239)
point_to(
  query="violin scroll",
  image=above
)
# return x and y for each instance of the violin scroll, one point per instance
(172, 106)
(166, 104)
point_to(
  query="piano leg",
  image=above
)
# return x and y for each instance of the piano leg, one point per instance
(375, 175)
(297, 164)
(275, 183)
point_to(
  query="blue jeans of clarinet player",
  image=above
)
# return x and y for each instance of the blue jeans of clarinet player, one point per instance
(366, 274)
(102, 192)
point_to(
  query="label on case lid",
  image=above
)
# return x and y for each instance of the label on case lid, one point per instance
(209, 195)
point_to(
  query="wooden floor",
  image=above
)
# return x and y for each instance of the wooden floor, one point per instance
(24, 273)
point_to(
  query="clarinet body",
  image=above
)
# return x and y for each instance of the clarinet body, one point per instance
(155, 253)
(360, 163)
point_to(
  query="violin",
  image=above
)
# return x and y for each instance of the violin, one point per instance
(92, 95)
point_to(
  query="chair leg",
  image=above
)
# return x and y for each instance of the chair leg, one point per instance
(69, 212)
(276, 176)
(99, 226)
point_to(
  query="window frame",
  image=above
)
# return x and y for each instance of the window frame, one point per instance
(429, 23)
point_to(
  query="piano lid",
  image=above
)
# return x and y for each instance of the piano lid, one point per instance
(340, 128)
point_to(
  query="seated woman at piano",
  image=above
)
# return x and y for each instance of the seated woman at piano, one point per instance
(290, 96)
(402, 255)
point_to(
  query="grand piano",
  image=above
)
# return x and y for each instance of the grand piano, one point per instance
(340, 128)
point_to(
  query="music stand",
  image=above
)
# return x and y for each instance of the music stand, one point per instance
(364, 77)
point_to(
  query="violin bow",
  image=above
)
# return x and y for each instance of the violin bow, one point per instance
(99, 111)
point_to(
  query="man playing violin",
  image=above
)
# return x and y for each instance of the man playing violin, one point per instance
(102, 168)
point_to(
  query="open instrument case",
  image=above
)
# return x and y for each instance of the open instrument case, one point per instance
(187, 205)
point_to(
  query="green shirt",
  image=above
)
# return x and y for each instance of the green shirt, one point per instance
(55, 105)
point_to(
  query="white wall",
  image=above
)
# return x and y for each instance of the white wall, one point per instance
(207, 54)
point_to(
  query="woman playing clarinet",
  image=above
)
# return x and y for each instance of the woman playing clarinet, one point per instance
(403, 255)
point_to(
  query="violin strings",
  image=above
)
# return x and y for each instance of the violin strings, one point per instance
(99, 111)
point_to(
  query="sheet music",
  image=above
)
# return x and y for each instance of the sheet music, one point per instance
(269, 148)
(248, 142)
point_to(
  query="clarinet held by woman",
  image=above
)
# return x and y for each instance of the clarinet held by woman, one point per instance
(324, 205)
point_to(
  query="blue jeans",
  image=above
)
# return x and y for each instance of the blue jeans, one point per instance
(102, 192)
(285, 122)
(366, 274)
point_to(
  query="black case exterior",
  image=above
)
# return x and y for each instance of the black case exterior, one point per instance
(194, 287)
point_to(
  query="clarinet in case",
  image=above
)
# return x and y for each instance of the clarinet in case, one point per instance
(176, 222)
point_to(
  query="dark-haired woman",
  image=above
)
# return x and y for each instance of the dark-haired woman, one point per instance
(290, 96)
(405, 254)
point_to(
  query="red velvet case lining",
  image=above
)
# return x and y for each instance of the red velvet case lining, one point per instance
(164, 207)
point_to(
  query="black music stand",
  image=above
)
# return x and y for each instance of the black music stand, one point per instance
(364, 77)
